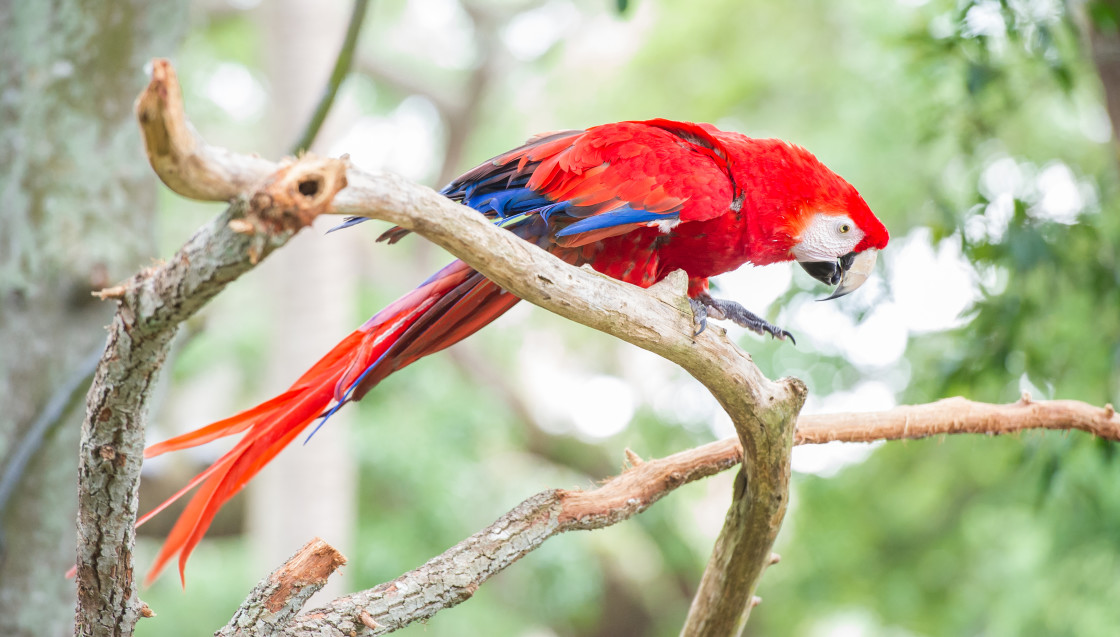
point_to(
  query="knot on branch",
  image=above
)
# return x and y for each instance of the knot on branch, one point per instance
(290, 198)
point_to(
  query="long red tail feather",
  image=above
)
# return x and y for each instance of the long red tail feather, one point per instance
(450, 306)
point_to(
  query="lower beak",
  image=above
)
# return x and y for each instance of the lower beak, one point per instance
(849, 271)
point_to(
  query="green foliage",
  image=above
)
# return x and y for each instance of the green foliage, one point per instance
(983, 548)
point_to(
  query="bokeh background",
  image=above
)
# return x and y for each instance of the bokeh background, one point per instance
(976, 130)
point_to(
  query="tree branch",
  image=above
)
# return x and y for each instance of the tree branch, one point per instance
(454, 576)
(150, 307)
(278, 598)
(186, 163)
(724, 600)
(960, 416)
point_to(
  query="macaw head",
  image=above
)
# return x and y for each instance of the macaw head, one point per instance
(838, 244)
(806, 213)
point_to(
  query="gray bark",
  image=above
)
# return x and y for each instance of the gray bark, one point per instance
(76, 215)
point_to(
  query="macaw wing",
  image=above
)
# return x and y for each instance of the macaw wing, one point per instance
(611, 179)
(575, 187)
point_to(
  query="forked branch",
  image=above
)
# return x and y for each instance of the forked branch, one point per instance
(453, 577)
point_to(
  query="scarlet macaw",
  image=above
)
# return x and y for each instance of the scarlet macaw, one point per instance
(635, 200)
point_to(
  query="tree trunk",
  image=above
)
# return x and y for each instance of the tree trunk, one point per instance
(77, 214)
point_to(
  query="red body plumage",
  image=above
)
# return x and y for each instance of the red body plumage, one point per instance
(636, 200)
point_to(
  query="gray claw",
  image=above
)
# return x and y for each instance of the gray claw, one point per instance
(704, 306)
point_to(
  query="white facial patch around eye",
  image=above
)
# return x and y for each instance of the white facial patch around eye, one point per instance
(827, 237)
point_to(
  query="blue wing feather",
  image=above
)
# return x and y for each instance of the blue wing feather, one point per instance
(349, 221)
(617, 217)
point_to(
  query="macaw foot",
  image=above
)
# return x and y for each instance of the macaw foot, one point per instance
(704, 306)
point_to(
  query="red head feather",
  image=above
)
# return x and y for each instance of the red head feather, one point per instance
(784, 186)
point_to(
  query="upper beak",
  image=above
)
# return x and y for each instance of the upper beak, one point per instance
(849, 271)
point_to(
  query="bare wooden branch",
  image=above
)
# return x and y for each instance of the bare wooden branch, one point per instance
(184, 162)
(960, 416)
(455, 575)
(724, 600)
(278, 598)
(947, 416)
(150, 307)
(473, 561)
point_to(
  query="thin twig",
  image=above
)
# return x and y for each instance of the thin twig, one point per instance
(341, 69)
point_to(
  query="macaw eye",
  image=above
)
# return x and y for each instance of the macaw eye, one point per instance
(845, 228)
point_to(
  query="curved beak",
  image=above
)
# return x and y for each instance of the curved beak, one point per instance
(847, 273)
